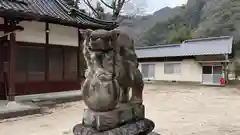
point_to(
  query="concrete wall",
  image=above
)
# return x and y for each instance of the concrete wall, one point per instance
(60, 35)
(191, 71)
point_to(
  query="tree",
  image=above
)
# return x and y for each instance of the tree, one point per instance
(236, 62)
(155, 35)
(116, 7)
(236, 65)
(178, 35)
(73, 3)
(175, 30)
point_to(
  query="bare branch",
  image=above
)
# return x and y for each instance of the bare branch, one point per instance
(114, 5)
(123, 2)
(87, 2)
(118, 9)
(106, 4)
(76, 4)
(117, 6)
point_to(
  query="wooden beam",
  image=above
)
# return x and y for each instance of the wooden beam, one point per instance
(7, 34)
(216, 61)
(8, 28)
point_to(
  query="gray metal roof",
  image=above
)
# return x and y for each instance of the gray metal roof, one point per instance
(202, 46)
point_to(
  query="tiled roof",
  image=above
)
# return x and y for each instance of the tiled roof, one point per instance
(203, 46)
(53, 11)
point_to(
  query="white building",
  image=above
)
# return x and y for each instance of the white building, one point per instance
(199, 60)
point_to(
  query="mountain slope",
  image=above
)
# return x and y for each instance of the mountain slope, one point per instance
(136, 26)
(202, 18)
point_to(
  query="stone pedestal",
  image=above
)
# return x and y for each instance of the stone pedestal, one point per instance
(123, 113)
(141, 127)
(126, 119)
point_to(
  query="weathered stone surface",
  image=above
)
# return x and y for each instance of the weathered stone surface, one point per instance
(138, 111)
(100, 88)
(112, 70)
(153, 133)
(107, 120)
(141, 127)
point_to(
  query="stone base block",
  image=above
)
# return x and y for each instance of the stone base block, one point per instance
(153, 133)
(123, 113)
(141, 127)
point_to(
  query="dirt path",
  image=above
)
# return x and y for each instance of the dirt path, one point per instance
(176, 110)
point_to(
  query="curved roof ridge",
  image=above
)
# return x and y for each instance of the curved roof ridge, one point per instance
(69, 9)
(52, 11)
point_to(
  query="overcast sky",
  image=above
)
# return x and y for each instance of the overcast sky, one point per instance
(154, 5)
(150, 6)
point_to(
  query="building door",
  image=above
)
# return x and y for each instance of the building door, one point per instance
(212, 74)
(207, 75)
(217, 74)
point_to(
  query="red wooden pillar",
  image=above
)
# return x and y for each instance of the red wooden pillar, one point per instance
(46, 52)
(11, 64)
(3, 60)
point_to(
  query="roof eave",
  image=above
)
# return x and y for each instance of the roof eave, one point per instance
(31, 16)
(148, 57)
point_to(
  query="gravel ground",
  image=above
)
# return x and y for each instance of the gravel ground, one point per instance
(176, 110)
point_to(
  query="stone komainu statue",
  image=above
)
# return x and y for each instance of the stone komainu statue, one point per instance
(112, 70)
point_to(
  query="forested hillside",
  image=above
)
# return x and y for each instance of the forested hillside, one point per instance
(198, 18)
(137, 26)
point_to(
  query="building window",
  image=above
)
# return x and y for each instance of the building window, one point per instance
(207, 69)
(55, 64)
(70, 64)
(21, 65)
(172, 68)
(36, 63)
(30, 64)
(148, 71)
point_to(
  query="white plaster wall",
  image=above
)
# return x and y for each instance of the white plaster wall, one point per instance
(63, 35)
(160, 75)
(33, 32)
(190, 71)
(1, 22)
(60, 35)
